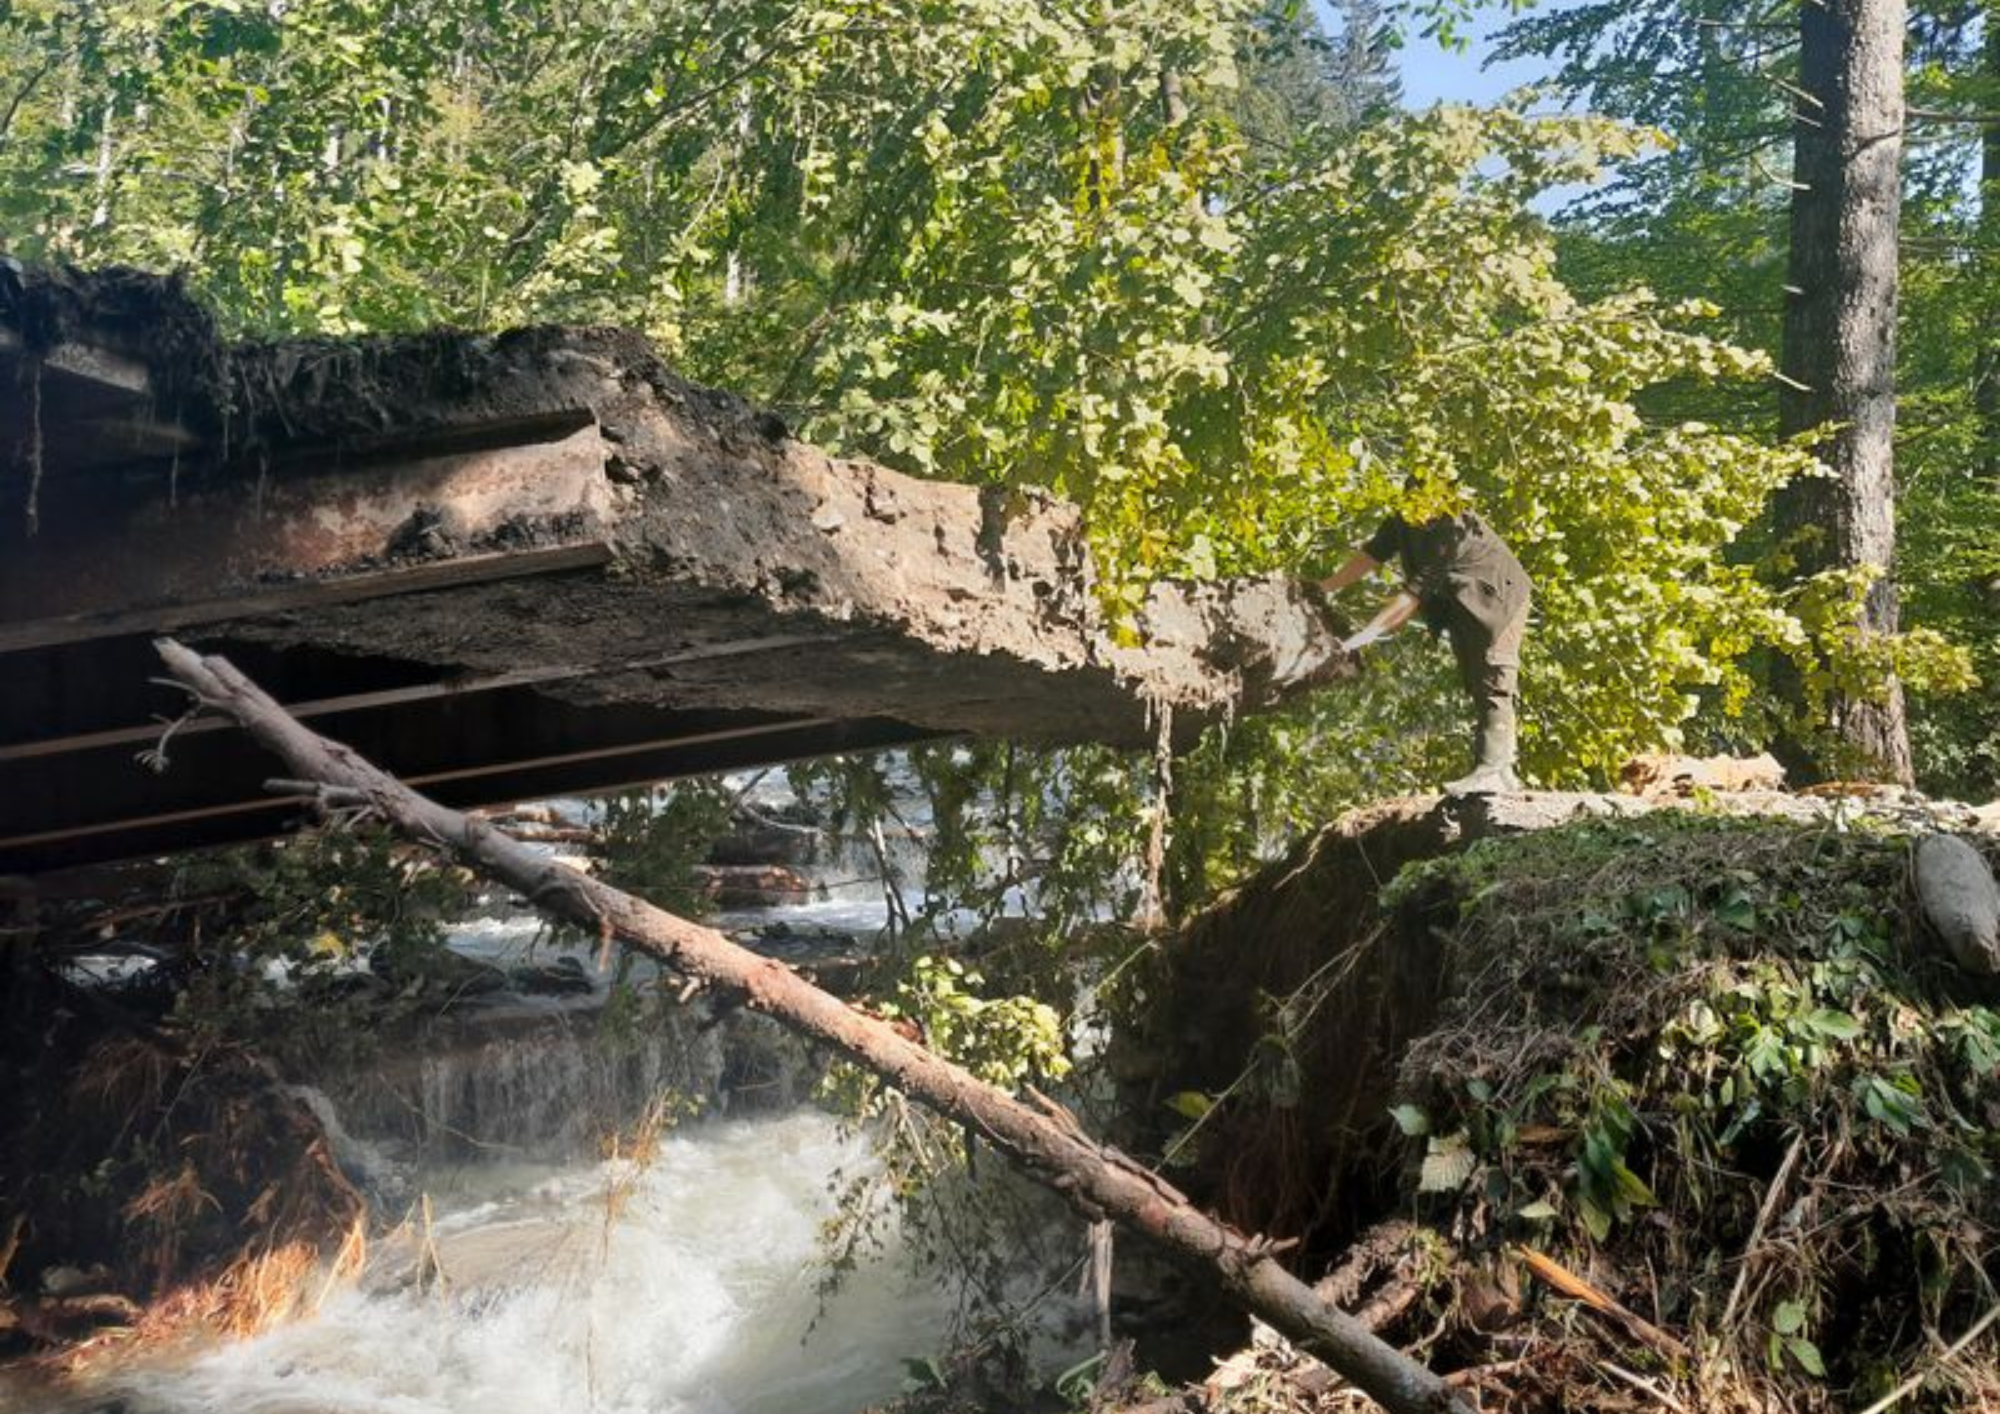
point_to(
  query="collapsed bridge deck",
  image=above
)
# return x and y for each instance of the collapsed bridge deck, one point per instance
(512, 566)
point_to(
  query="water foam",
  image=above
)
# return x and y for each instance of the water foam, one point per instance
(696, 1298)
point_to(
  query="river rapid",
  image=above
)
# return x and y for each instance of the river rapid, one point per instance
(687, 1286)
(531, 1276)
(528, 1275)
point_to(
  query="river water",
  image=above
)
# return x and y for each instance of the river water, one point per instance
(688, 1284)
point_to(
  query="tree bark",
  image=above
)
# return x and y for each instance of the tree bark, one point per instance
(1096, 1180)
(1986, 258)
(1840, 332)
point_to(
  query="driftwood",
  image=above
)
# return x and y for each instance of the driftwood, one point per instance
(1044, 1141)
(57, 1320)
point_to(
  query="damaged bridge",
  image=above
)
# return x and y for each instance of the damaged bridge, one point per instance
(513, 566)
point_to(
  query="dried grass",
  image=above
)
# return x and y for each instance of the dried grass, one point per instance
(256, 1291)
(204, 1190)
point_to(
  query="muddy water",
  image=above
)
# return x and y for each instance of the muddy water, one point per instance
(572, 1285)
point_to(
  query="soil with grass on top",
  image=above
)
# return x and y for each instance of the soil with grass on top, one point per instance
(1670, 1109)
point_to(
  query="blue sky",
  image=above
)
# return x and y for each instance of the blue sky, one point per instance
(1432, 74)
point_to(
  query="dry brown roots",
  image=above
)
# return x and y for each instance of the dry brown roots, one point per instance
(160, 1190)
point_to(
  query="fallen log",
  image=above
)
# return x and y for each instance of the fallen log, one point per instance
(1098, 1181)
(56, 1320)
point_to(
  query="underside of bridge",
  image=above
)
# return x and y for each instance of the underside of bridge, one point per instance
(513, 566)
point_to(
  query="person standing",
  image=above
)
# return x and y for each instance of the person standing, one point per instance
(1468, 585)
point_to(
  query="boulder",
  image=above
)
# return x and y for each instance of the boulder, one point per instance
(1959, 897)
(559, 977)
(753, 885)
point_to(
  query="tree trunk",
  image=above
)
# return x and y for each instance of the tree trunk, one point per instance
(1840, 331)
(1046, 1142)
(1986, 258)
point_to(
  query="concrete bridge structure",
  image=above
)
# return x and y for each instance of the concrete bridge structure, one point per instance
(512, 566)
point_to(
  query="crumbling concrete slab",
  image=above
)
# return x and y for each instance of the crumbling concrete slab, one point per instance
(556, 511)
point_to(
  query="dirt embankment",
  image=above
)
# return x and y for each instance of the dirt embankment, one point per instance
(1673, 1109)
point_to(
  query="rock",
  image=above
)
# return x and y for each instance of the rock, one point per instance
(439, 974)
(1959, 897)
(1663, 774)
(782, 938)
(753, 885)
(562, 977)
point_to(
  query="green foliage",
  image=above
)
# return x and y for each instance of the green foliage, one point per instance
(650, 842)
(1295, 75)
(1682, 1000)
(1009, 1042)
(1707, 217)
(1949, 567)
(978, 240)
(303, 915)
(330, 896)
(1007, 256)
(1027, 852)
(327, 935)
(1005, 1041)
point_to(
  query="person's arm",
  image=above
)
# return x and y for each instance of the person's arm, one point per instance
(1392, 616)
(1359, 566)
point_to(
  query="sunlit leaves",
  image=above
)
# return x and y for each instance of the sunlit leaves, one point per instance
(996, 242)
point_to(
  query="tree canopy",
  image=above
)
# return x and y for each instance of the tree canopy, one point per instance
(1183, 262)
(1706, 214)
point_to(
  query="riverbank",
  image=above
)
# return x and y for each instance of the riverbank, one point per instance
(1543, 1085)
(1594, 1102)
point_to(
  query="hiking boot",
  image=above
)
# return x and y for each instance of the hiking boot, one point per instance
(1485, 780)
(1494, 744)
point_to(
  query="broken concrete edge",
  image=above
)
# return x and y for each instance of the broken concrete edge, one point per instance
(129, 315)
(684, 484)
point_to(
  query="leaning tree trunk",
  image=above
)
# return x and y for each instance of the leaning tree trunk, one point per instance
(1840, 331)
(1098, 1181)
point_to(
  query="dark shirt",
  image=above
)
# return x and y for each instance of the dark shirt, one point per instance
(1454, 561)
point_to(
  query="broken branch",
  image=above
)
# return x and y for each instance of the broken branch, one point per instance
(1058, 1155)
(1577, 1289)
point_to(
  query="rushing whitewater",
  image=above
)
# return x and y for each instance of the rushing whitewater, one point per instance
(546, 1281)
(684, 1287)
